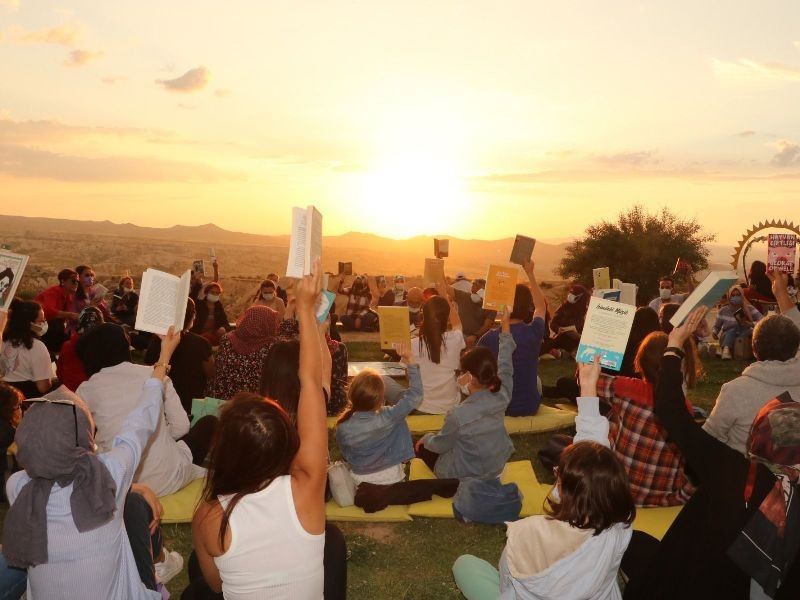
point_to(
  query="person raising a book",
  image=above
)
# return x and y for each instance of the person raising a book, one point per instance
(525, 398)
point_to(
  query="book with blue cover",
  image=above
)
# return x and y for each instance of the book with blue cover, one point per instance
(605, 332)
(708, 293)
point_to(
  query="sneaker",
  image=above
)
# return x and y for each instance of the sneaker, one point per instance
(726, 353)
(172, 565)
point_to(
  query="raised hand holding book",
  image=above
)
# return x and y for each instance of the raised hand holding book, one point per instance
(305, 245)
(522, 252)
(162, 301)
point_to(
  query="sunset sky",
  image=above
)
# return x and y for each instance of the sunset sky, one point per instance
(474, 119)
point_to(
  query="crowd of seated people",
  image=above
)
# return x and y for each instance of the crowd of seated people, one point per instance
(103, 438)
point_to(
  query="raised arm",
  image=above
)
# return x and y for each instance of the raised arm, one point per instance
(325, 354)
(505, 364)
(590, 425)
(215, 265)
(539, 301)
(455, 318)
(780, 289)
(709, 459)
(412, 397)
(309, 468)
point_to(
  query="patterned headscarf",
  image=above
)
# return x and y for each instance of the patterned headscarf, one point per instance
(255, 329)
(88, 318)
(770, 541)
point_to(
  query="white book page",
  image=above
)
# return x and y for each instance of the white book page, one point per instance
(157, 301)
(298, 245)
(182, 300)
(314, 241)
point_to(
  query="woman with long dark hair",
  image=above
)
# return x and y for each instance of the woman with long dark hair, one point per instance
(437, 352)
(260, 530)
(24, 359)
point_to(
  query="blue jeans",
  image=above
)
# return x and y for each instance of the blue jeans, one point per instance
(476, 578)
(731, 335)
(13, 582)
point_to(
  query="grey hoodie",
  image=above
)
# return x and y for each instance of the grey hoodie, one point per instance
(740, 400)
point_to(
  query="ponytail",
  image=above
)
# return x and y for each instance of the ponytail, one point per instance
(482, 365)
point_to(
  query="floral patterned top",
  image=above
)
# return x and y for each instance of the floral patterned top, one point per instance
(289, 329)
(234, 372)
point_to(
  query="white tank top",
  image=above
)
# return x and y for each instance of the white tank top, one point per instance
(271, 556)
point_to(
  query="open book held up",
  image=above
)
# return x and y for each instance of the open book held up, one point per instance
(162, 301)
(708, 293)
(306, 243)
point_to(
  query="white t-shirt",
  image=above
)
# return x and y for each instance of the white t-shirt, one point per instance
(440, 390)
(21, 364)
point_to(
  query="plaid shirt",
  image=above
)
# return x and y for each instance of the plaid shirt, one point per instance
(656, 469)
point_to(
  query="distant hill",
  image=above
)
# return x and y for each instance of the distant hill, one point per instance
(369, 253)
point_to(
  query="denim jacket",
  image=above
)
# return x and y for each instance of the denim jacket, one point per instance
(375, 440)
(473, 441)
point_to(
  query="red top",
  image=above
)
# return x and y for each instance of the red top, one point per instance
(54, 300)
(69, 367)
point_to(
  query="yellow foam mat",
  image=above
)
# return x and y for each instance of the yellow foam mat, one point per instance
(519, 472)
(180, 506)
(547, 419)
(390, 514)
(655, 521)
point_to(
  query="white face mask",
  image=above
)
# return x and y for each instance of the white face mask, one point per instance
(554, 494)
(463, 383)
(39, 328)
(212, 297)
(399, 287)
(413, 311)
(572, 298)
(665, 293)
(476, 298)
(127, 290)
(267, 297)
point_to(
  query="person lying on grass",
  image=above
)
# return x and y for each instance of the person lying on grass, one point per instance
(376, 442)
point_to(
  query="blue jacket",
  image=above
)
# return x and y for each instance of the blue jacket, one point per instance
(373, 441)
(473, 441)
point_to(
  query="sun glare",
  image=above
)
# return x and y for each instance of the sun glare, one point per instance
(407, 196)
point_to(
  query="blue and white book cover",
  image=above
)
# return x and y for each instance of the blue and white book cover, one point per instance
(605, 332)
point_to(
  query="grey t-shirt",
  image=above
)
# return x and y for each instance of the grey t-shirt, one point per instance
(471, 313)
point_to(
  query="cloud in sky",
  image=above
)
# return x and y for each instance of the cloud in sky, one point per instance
(628, 159)
(748, 68)
(192, 81)
(79, 58)
(113, 79)
(20, 161)
(746, 133)
(788, 154)
(222, 93)
(68, 35)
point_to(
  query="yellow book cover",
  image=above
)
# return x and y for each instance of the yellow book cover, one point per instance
(501, 285)
(394, 326)
(434, 271)
(602, 278)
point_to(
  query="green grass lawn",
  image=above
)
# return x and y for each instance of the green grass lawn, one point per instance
(413, 559)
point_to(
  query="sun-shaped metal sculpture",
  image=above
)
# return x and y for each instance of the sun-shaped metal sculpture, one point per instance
(748, 240)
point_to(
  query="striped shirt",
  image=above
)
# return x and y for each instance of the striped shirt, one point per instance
(97, 563)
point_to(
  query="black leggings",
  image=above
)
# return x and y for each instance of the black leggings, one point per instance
(199, 438)
(334, 561)
(372, 497)
(146, 547)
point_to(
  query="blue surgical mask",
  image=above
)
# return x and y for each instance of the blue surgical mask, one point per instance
(736, 300)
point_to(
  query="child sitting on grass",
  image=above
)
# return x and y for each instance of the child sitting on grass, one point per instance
(376, 442)
(473, 445)
(575, 550)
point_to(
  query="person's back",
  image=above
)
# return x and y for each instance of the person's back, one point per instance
(372, 437)
(264, 526)
(775, 343)
(111, 395)
(525, 399)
